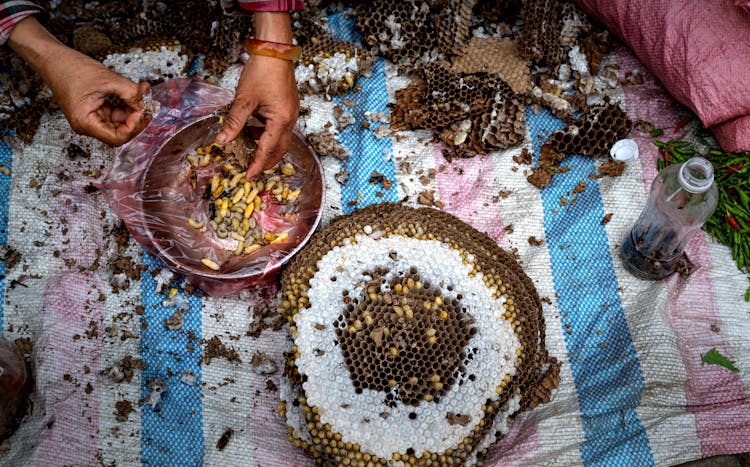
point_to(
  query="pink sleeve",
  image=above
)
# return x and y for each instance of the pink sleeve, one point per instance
(272, 5)
(11, 13)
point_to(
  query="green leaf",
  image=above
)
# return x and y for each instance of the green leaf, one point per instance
(747, 295)
(657, 132)
(714, 357)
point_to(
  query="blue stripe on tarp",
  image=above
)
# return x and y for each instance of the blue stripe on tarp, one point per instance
(368, 153)
(6, 158)
(172, 432)
(603, 360)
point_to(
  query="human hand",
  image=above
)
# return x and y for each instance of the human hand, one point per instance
(82, 86)
(267, 90)
(86, 100)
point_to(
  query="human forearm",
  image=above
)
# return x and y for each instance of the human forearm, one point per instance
(82, 85)
(42, 52)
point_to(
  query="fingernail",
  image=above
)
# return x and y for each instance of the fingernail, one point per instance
(221, 138)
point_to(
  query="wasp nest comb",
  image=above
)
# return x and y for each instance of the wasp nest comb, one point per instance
(397, 29)
(593, 134)
(414, 338)
(477, 113)
(331, 66)
(542, 26)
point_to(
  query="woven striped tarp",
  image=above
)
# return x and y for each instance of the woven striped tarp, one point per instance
(633, 390)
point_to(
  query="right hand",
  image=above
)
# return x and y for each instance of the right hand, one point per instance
(266, 89)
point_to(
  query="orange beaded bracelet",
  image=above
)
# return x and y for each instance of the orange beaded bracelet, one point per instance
(289, 52)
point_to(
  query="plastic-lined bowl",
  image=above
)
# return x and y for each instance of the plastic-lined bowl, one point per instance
(169, 198)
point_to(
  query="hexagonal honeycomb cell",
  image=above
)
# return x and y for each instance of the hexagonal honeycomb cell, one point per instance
(400, 30)
(477, 113)
(448, 97)
(452, 25)
(540, 40)
(593, 134)
(414, 338)
(331, 66)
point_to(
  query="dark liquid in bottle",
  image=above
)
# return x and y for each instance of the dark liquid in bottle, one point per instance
(643, 266)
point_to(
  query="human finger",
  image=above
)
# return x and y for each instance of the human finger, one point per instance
(101, 127)
(272, 146)
(134, 124)
(129, 92)
(235, 120)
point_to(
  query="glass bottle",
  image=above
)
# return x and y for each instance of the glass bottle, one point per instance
(683, 197)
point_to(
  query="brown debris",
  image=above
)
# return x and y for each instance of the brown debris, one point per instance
(11, 257)
(595, 47)
(549, 157)
(378, 178)
(224, 440)
(607, 217)
(533, 241)
(540, 177)
(174, 322)
(325, 143)
(611, 168)
(526, 157)
(124, 369)
(549, 382)
(262, 364)
(215, 348)
(427, 198)
(123, 408)
(265, 316)
(457, 419)
(73, 151)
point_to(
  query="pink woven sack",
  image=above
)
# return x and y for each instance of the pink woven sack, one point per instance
(699, 51)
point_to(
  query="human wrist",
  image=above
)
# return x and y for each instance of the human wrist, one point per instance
(273, 26)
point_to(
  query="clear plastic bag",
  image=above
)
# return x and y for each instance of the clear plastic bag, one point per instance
(15, 387)
(153, 188)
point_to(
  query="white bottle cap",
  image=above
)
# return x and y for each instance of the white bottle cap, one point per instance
(625, 150)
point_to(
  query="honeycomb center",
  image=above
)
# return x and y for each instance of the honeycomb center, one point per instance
(403, 338)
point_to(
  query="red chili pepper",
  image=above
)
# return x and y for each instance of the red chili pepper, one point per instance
(682, 123)
(736, 167)
(733, 223)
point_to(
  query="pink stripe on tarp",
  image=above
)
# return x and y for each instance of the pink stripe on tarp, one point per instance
(71, 309)
(72, 330)
(715, 395)
(520, 446)
(464, 186)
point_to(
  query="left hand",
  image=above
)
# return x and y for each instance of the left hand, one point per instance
(82, 86)
(85, 100)
(267, 90)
